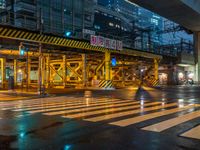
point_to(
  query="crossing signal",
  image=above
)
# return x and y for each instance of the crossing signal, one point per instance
(21, 50)
(68, 33)
(114, 61)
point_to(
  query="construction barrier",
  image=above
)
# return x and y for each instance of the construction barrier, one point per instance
(106, 84)
(153, 82)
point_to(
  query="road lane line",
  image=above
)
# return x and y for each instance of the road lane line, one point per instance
(134, 120)
(164, 125)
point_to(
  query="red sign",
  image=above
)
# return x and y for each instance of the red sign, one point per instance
(106, 42)
(94, 40)
(100, 41)
(113, 44)
(119, 45)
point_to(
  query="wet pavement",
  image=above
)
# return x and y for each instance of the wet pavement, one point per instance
(124, 119)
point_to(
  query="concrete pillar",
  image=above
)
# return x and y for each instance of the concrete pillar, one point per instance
(64, 70)
(197, 55)
(15, 71)
(3, 72)
(107, 66)
(84, 60)
(156, 68)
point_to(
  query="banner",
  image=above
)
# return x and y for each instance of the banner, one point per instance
(93, 40)
(106, 42)
(119, 45)
(100, 41)
(113, 44)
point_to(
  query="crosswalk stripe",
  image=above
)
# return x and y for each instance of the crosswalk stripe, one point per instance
(48, 99)
(93, 108)
(65, 104)
(164, 125)
(50, 103)
(29, 101)
(87, 114)
(78, 108)
(134, 120)
(192, 133)
(130, 112)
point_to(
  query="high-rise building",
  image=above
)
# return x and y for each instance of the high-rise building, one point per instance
(2, 4)
(52, 16)
(138, 25)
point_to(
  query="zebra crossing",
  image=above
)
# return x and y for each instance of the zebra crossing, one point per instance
(6, 97)
(112, 111)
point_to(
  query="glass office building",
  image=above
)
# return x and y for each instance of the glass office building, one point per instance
(51, 16)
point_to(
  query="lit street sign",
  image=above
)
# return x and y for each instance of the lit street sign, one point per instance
(106, 42)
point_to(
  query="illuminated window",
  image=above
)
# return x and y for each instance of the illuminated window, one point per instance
(111, 24)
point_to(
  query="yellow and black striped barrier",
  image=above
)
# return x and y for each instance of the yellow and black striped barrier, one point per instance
(154, 82)
(106, 84)
(30, 36)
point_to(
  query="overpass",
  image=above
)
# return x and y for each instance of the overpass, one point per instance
(183, 12)
(56, 61)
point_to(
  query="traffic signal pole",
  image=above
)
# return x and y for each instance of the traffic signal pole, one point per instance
(40, 70)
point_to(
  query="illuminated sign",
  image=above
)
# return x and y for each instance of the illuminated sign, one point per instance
(114, 62)
(106, 42)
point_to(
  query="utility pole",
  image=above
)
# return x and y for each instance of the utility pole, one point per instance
(40, 58)
(40, 70)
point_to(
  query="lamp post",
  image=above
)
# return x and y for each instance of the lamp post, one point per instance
(141, 75)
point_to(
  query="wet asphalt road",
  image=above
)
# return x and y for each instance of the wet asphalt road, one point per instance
(124, 119)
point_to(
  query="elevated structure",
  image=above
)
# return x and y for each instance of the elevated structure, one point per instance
(53, 61)
(183, 12)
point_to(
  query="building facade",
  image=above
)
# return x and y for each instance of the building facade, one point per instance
(50, 16)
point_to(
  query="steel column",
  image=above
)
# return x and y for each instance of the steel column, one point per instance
(40, 70)
(3, 72)
(48, 71)
(15, 72)
(84, 60)
(43, 71)
(28, 71)
(107, 66)
(64, 70)
(156, 68)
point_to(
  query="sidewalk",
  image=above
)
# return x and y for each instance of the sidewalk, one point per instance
(11, 95)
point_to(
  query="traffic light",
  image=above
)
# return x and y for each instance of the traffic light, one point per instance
(68, 34)
(21, 50)
(114, 61)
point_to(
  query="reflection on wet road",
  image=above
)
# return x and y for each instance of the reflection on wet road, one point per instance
(66, 121)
